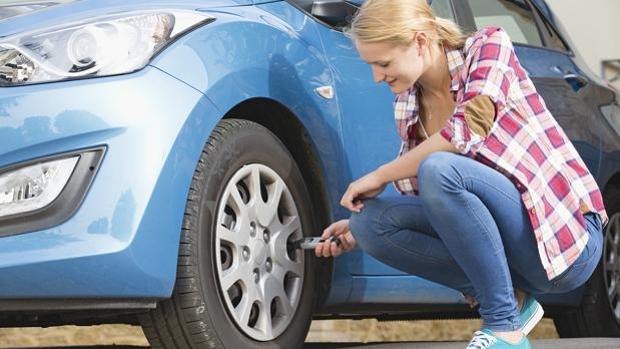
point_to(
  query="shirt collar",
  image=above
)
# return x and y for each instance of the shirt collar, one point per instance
(406, 104)
(455, 64)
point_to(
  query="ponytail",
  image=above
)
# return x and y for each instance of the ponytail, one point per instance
(397, 21)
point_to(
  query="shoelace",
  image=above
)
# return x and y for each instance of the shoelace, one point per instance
(481, 340)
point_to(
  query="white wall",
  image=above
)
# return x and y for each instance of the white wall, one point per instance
(593, 26)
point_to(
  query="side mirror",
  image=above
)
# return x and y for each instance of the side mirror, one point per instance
(335, 12)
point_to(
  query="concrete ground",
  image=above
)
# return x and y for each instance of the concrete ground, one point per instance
(576, 343)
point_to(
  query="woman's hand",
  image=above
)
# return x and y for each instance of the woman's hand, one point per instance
(366, 187)
(330, 248)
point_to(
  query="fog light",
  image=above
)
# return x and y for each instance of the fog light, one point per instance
(33, 187)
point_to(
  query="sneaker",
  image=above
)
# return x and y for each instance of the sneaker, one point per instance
(530, 314)
(485, 339)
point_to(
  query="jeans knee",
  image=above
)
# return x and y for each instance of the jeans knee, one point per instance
(433, 173)
(433, 165)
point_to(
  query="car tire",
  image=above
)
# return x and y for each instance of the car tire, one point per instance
(198, 315)
(595, 317)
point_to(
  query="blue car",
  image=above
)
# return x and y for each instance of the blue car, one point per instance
(158, 160)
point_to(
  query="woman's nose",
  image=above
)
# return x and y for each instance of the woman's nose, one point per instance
(377, 75)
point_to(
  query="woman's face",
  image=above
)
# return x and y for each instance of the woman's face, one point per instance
(399, 66)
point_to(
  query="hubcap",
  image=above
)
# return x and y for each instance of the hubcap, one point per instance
(261, 281)
(612, 264)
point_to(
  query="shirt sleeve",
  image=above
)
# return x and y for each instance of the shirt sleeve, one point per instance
(479, 115)
(489, 76)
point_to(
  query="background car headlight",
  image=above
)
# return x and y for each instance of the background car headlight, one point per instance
(34, 187)
(101, 46)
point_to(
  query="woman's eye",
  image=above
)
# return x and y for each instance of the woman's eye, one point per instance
(384, 65)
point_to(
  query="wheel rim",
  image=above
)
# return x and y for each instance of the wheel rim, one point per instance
(260, 275)
(611, 266)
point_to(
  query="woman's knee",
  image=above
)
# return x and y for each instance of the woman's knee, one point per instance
(433, 166)
(435, 174)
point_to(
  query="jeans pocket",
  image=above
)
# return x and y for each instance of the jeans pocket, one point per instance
(593, 222)
(574, 276)
(569, 279)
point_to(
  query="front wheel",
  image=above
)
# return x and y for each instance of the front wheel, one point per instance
(240, 283)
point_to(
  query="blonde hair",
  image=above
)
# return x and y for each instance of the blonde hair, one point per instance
(396, 22)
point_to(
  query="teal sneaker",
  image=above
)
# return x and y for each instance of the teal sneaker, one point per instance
(485, 339)
(530, 314)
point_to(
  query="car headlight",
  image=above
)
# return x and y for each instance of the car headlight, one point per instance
(45, 192)
(101, 46)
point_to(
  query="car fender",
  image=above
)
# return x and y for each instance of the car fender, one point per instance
(270, 51)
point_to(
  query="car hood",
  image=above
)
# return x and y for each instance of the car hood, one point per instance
(20, 15)
(18, 8)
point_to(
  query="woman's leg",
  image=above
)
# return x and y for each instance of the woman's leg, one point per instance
(468, 205)
(465, 207)
(503, 202)
(396, 231)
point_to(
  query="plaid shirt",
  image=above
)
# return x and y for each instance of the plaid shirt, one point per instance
(525, 143)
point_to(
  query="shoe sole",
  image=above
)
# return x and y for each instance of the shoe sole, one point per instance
(538, 314)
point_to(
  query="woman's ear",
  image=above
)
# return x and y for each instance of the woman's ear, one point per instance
(421, 41)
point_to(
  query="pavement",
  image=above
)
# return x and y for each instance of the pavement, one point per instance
(566, 343)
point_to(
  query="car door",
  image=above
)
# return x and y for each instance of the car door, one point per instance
(367, 120)
(370, 140)
(369, 131)
(565, 88)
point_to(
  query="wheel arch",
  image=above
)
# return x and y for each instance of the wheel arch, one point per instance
(264, 64)
(611, 190)
(581, 320)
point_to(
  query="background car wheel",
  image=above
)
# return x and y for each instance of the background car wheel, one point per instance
(240, 284)
(599, 312)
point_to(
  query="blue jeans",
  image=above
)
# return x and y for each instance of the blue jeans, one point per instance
(468, 230)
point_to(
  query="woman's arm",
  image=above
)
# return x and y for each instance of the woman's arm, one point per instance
(485, 92)
(407, 165)
(487, 87)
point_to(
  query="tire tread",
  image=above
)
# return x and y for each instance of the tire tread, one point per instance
(183, 321)
(163, 327)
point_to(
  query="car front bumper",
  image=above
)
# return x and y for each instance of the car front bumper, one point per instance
(122, 242)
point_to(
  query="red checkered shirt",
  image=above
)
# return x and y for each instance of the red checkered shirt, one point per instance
(525, 143)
